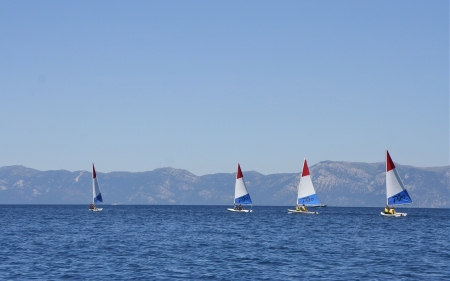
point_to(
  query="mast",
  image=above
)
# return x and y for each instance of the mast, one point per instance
(300, 182)
(93, 183)
(235, 184)
(385, 164)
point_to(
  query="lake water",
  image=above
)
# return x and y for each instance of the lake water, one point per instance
(54, 242)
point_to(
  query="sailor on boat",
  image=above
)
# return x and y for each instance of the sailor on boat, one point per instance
(304, 208)
(386, 209)
(297, 208)
(392, 211)
(91, 206)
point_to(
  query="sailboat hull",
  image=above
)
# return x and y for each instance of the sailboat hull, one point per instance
(393, 215)
(302, 212)
(96, 210)
(239, 211)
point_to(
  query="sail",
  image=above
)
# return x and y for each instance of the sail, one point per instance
(241, 195)
(396, 193)
(306, 192)
(95, 188)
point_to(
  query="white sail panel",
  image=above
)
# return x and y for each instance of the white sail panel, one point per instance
(306, 187)
(393, 183)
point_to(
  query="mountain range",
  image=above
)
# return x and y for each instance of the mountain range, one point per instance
(336, 183)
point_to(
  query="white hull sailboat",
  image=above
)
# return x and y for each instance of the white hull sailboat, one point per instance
(97, 195)
(241, 195)
(239, 211)
(393, 215)
(306, 194)
(396, 194)
(290, 211)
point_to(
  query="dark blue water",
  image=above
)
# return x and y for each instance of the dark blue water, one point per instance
(209, 243)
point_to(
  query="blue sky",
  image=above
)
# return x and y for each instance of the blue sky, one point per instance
(202, 85)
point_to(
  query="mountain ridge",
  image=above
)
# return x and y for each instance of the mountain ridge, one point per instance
(337, 183)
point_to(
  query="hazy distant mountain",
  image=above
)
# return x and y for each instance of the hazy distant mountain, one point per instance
(337, 184)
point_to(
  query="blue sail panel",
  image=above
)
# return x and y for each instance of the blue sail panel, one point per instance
(243, 199)
(309, 200)
(400, 198)
(98, 198)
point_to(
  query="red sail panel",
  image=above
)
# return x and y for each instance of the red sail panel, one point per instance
(305, 171)
(389, 163)
(239, 172)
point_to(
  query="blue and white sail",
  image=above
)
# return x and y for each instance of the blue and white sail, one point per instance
(95, 188)
(241, 195)
(396, 194)
(306, 192)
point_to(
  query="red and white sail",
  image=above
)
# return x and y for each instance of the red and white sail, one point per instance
(241, 195)
(396, 193)
(306, 192)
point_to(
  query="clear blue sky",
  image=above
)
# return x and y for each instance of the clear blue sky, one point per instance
(202, 85)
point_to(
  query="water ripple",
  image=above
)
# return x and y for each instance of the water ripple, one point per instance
(209, 243)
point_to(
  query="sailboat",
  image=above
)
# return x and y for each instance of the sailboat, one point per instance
(306, 194)
(241, 195)
(97, 195)
(396, 194)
